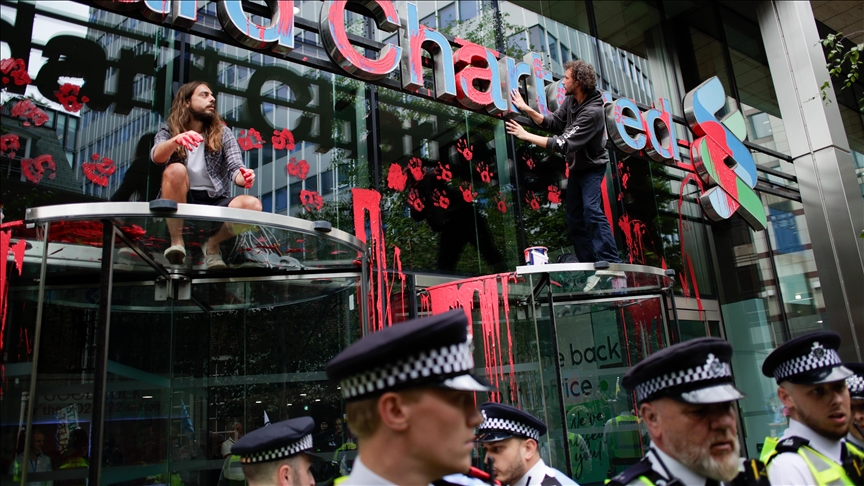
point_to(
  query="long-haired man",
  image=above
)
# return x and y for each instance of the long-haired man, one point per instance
(203, 160)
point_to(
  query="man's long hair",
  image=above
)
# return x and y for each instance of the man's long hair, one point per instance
(181, 115)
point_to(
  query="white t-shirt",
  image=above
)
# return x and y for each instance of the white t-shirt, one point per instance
(196, 167)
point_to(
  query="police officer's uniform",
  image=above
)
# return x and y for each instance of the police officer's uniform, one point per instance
(276, 442)
(502, 422)
(855, 384)
(698, 371)
(801, 455)
(433, 351)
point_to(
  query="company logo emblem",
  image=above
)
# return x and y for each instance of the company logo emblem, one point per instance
(722, 161)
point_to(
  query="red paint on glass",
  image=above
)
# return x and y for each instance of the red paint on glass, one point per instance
(486, 174)
(67, 95)
(415, 166)
(463, 148)
(467, 194)
(283, 139)
(16, 70)
(9, 144)
(26, 108)
(554, 195)
(311, 200)
(443, 172)
(532, 201)
(99, 172)
(250, 141)
(607, 207)
(396, 178)
(297, 169)
(501, 202)
(368, 200)
(439, 199)
(34, 169)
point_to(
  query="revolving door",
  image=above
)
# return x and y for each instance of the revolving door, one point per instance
(148, 371)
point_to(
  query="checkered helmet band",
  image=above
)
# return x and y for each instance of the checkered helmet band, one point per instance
(508, 425)
(855, 383)
(297, 447)
(449, 360)
(818, 357)
(711, 370)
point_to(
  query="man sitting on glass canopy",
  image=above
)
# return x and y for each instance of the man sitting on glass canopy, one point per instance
(200, 173)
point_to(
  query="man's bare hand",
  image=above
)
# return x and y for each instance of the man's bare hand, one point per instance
(517, 100)
(515, 129)
(189, 140)
(245, 178)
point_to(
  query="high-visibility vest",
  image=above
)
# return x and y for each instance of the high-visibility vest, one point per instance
(825, 471)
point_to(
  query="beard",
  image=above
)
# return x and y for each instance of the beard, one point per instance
(204, 116)
(513, 473)
(698, 458)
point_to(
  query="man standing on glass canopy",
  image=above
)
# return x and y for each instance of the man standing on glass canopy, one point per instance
(579, 126)
(200, 173)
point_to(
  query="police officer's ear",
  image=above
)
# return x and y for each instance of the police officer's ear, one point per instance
(651, 417)
(784, 393)
(530, 447)
(283, 474)
(394, 411)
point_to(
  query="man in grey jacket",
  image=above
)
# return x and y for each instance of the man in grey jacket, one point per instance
(579, 127)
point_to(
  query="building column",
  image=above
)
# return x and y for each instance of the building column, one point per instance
(819, 148)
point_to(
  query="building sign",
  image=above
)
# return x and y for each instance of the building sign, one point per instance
(479, 78)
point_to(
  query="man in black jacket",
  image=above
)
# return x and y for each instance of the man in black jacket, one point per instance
(579, 125)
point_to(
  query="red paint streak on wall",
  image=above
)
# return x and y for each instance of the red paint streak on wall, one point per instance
(687, 265)
(607, 208)
(397, 259)
(460, 294)
(285, 26)
(633, 232)
(369, 200)
(17, 251)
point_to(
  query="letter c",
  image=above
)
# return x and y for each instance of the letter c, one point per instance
(335, 39)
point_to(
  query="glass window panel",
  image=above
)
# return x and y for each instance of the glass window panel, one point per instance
(430, 21)
(467, 9)
(447, 16)
(553, 48)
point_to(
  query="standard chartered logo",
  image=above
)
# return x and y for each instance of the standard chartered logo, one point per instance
(722, 161)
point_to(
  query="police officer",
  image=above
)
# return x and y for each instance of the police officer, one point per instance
(686, 397)
(278, 454)
(812, 387)
(510, 438)
(855, 383)
(410, 400)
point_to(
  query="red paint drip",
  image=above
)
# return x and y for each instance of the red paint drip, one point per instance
(369, 200)
(460, 294)
(285, 26)
(685, 258)
(607, 207)
(17, 251)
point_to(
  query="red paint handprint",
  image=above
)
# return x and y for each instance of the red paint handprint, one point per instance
(298, 169)
(311, 200)
(414, 200)
(440, 199)
(16, 69)
(415, 165)
(466, 151)
(396, 178)
(467, 193)
(501, 202)
(566, 170)
(529, 161)
(485, 174)
(34, 169)
(9, 144)
(282, 139)
(554, 195)
(251, 141)
(28, 110)
(443, 172)
(532, 201)
(98, 172)
(68, 97)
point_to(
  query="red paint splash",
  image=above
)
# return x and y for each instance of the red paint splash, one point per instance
(297, 169)
(283, 139)
(686, 263)
(461, 294)
(554, 195)
(501, 202)
(17, 251)
(439, 199)
(607, 207)
(9, 144)
(26, 108)
(467, 192)
(311, 200)
(98, 172)
(532, 201)
(415, 166)
(369, 200)
(34, 169)
(443, 172)
(465, 150)
(16, 70)
(250, 141)
(67, 95)
(396, 178)
(486, 174)
(634, 230)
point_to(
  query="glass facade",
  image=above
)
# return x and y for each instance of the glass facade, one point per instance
(87, 85)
